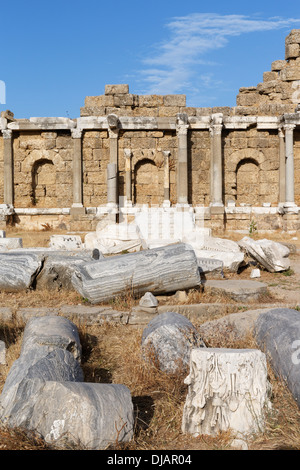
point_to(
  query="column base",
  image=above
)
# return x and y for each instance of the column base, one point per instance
(290, 207)
(217, 208)
(77, 209)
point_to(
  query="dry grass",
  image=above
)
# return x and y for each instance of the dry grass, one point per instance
(112, 354)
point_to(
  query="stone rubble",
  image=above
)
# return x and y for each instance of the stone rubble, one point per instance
(44, 391)
(167, 342)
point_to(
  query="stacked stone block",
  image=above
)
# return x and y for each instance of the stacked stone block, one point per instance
(279, 92)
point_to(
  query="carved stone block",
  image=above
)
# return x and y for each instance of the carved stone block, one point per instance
(227, 390)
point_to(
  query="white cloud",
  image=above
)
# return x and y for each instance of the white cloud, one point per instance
(174, 61)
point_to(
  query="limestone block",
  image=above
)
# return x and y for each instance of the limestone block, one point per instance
(65, 242)
(174, 100)
(159, 271)
(292, 51)
(90, 415)
(151, 101)
(125, 100)
(227, 390)
(267, 76)
(277, 333)
(167, 342)
(247, 99)
(271, 255)
(290, 73)
(116, 89)
(293, 37)
(278, 65)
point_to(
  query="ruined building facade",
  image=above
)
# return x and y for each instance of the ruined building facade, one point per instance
(234, 166)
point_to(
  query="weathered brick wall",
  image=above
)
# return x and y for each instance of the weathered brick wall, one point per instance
(95, 154)
(199, 143)
(1, 170)
(42, 169)
(251, 167)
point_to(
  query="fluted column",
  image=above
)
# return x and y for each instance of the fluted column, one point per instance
(216, 165)
(289, 167)
(8, 167)
(77, 206)
(182, 169)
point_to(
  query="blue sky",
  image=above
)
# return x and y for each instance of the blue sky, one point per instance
(53, 54)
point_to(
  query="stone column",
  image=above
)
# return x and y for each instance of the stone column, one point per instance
(77, 206)
(166, 155)
(216, 165)
(182, 168)
(289, 167)
(112, 167)
(281, 166)
(8, 167)
(128, 155)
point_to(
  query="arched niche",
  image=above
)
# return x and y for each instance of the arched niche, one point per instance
(43, 175)
(148, 183)
(248, 182)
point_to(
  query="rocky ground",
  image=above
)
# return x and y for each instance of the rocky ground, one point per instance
(111, 354)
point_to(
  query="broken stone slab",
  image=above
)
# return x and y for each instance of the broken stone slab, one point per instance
(148, 300)
(273, 256)
(238, 324)
(210, 265)
(66, 242)
(167, 342)
(277, 333)
(19, 269)
(238, 290)
(52, 332)
(228, 390)
(159, 271)
(94, 315)
(90, 415)
(220, 250)
(10, 243)
(27, 377)
(58, 268)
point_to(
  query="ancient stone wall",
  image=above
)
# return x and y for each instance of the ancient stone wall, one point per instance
(153, 149)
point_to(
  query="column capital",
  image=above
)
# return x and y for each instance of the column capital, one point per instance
(113, 133)
(288, 127)
(182, 129)
(76, 133)
(216, 129)
(166, 153)
(7, 133)
(127, 153)
(281, 132)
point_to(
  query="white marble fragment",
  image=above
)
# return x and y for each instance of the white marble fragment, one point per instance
(227, 391)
